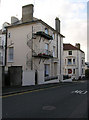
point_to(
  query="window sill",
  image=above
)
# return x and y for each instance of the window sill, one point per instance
(10, 61)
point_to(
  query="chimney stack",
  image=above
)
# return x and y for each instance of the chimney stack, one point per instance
(14, 20)
(77, 45)
(57, 24)
(27, 13)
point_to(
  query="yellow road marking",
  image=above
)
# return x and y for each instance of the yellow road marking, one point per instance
(28, 92)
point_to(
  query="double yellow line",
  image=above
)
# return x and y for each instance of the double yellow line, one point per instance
(21, 93)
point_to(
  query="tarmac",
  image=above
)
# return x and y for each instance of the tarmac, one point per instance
(18, 89)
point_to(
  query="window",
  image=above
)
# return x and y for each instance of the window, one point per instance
(65, 71)
(46, 49)
(69, 71)
(73, 61)
(69, 61)
(73, 71)
(70, 52)
(65, 61)
(53, 36)
(82, 70)
(11, 52)
(82, 62)
(0, 57)
(46, 70)
(46, 30)
(53, 51)
(0, 41)
(55, 68)
(9, 35)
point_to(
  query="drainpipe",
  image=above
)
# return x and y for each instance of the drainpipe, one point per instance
(57, 45)
(60, 55)
(32, 50)
(6, 48)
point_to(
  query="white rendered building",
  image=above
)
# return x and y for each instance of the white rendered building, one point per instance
(74, 61)
(37, 47)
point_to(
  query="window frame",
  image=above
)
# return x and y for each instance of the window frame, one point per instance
(46, 30)
(82, 62)
(11, 54)
(69, 52)
(46, 48)
(74, 71)
(69, 62)
(46, 70)
(74, 61)
(53, 36)
(0, 57)
(0, 41)
(82, 71)
(54, 51)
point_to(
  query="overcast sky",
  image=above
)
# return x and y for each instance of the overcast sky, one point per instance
(72, 13)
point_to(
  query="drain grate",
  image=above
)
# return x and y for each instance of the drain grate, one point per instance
(49, 107)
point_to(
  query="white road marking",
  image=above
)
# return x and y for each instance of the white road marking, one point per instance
(80, 91)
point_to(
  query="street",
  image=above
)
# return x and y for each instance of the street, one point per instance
(66, 101)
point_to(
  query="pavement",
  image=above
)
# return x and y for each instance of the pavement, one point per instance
(18, 89)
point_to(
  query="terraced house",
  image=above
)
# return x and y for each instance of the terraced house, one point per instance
(2, 48)
(35, 49)
(74, 61)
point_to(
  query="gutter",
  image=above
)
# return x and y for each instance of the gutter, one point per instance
(35, 21)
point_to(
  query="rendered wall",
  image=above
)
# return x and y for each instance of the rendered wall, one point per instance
(28, 78)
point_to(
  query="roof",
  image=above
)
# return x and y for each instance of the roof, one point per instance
(35, 20)
(70, 47)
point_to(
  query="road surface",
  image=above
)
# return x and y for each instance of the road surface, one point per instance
(65, 101)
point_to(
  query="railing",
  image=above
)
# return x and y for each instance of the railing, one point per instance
(43, 34)
(43, 53)
(70, 63)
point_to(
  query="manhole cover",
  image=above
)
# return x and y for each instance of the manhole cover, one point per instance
(48, 108)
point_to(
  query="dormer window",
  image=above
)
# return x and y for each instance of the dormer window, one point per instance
(46, 30)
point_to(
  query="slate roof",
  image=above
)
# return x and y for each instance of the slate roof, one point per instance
(35, 20)
(70, 47)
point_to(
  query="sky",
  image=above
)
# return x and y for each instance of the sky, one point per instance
(72, 13)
